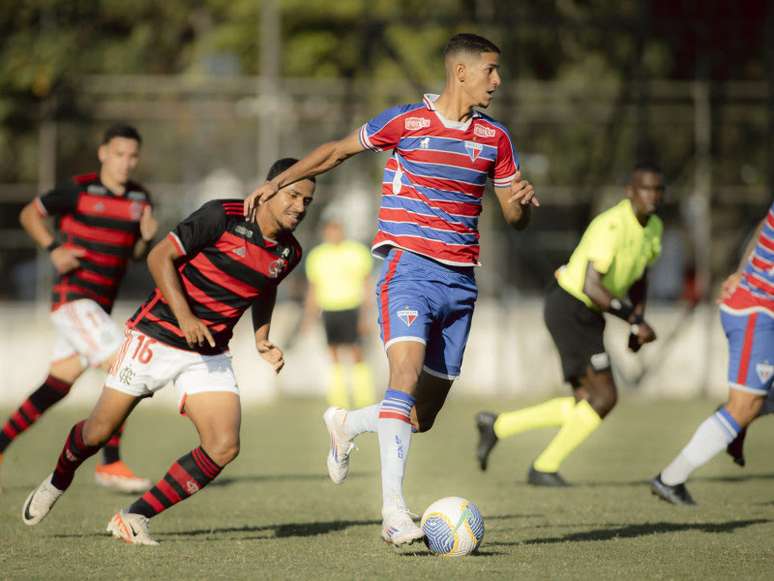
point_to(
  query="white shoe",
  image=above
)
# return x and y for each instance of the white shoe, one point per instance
(398, 528)
(341, 445)
(131, 528)
(40, 501)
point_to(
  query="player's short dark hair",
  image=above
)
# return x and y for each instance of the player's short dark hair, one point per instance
(121, 130)
(648, 166)
(471, 43)
(281, 165)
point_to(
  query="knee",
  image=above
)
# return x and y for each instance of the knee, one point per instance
(744, 409)
(222, 450)
(603, 399)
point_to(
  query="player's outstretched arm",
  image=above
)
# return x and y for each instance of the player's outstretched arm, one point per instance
(262, 311)
(161, 263)
(320, 160)
(517, 201)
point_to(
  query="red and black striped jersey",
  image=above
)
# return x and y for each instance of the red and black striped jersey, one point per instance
(106, 225)
(226, 266)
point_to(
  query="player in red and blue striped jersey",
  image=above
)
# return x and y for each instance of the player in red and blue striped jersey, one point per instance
(103, 220)
(443, 153)
(210, 269)
(747, 315)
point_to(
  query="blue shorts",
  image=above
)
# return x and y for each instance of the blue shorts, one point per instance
(750, 350)
(422, 300)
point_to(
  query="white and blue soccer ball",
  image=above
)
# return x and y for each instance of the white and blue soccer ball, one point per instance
(453, 527)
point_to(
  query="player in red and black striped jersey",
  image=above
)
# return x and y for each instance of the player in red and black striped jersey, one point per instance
(225, 265)
(209, 270)
(102, 221)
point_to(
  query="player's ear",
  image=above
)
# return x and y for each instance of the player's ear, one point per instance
(102, 152)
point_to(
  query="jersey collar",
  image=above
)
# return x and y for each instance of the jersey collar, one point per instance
(429, 100)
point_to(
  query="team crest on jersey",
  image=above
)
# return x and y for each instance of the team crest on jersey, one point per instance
(764, 370)
(482, 131)
(474, 149)
(277, 267)
(424, 143)
(240, 251)
(99, 207)
(407, 315)
(414, 123)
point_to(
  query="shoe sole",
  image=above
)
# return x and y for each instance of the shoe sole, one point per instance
(328, 420)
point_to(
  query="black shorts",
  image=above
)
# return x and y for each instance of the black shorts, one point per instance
(577, 332)
(341, 326)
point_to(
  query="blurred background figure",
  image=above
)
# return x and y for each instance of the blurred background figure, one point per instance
(338, 271)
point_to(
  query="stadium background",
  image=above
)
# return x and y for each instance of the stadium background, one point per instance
(220, 89)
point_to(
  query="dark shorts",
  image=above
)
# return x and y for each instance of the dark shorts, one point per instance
(341, 326)
(577, 332)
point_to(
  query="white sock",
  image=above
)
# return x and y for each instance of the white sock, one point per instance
(394, 429)
(711, 437)
(361, 420)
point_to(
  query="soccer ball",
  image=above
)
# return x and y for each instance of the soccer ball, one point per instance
(453, 527)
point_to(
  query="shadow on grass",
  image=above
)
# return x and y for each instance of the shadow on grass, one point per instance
(737, 478)
(229, 480)
(277, 531)
(639, 530)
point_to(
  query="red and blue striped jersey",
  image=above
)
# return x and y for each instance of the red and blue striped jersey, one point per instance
(226, 266)
(756, 288)
(435, 179)
(106, 225)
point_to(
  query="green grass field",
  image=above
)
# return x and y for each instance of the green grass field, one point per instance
(274, 514)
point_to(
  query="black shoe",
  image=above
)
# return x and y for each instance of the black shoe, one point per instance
(538, 478)
(677, 494)
(736, 448)
(487, 439)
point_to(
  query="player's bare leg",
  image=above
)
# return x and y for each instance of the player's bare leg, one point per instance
(112, 472)
(711, 437)
(84, 440)
(216, 417)
(394, 428)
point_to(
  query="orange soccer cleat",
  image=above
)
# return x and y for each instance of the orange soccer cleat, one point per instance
(118, 476)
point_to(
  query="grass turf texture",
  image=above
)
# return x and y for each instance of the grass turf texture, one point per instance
(274, 514)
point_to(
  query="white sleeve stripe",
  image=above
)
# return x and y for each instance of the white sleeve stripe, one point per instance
(41, 208)
(176, 241)
(503, 182)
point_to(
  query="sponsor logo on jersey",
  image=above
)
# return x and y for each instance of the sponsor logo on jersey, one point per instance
(600, 361)
(474, 149)
(244, 231)
(424, 143)
(276, 267)
(97, 190)
(408, 316)
(240, 251)
(764, 370)
(482, 131)
(414, 123)
(135, 195)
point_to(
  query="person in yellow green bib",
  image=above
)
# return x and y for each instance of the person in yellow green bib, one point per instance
(607, 273)
(338, 271)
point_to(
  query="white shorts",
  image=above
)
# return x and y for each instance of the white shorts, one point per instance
(144, 365)
(85, 329)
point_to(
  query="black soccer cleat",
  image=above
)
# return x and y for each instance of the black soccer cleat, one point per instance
(677, 494)
(551, 479)
(736, 448)
(487, 439)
